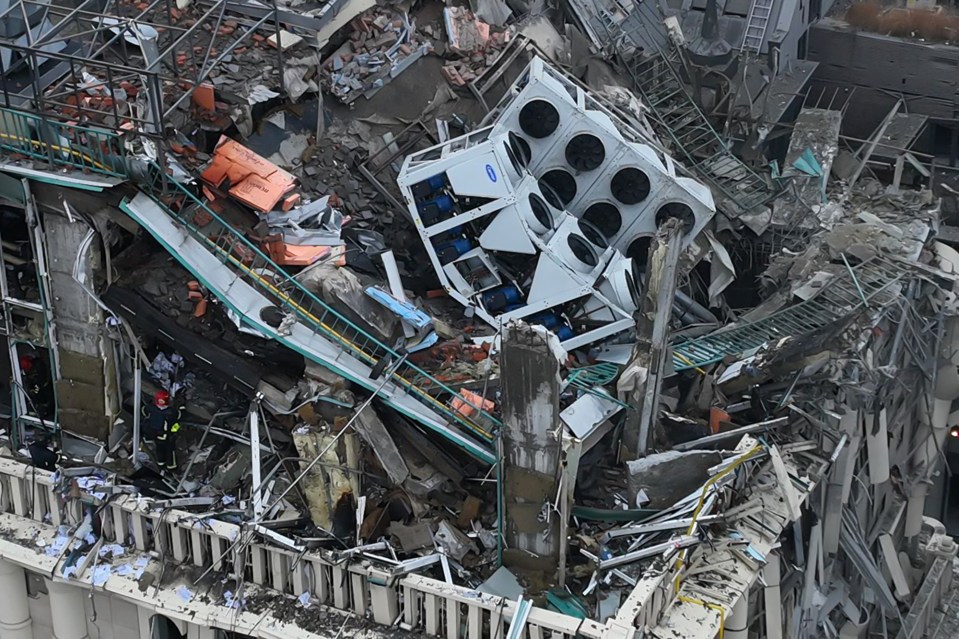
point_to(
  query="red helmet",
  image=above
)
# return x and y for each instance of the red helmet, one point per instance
(26, 363)
(161, 399)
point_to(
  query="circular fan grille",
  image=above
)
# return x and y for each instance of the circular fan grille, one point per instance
(519, 152)
(605, 217)
(540, 210)
(585, 152)
(561, 183)
(630, 186)
(538, 119)
(582, 250)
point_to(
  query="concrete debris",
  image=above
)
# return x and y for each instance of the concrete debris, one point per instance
(451, 542)
(635, 317)
(382, 44)
(472, 40)
(664, 478)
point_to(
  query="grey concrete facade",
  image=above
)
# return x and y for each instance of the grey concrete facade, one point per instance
(880, 68)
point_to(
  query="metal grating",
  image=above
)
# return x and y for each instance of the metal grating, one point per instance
(236, 252)
(844, 295)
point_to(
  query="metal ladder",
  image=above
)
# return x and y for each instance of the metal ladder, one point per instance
(840, 297)
(737, 188)
(756, 24)
(236, 252)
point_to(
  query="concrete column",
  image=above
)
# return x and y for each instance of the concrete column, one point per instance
(15, 622)
(531, 450)
(85, 383)
(68, 611)
(737, 623)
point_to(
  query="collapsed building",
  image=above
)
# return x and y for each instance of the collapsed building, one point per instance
(509, 339)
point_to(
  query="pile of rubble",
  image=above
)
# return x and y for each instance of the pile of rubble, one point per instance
(534, 366)
(382, 44)
(472, 43)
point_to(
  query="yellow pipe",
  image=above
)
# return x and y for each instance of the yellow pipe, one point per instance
(711, 606)
(55, 147)
(690, 362)
(702, 500)
(699, 507)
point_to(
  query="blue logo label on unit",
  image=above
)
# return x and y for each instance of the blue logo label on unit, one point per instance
(491, 172)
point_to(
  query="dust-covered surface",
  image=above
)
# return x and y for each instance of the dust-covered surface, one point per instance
(945, 621)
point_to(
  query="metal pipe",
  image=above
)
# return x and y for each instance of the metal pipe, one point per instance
(255, 462)
(692, 306)
(137, 404)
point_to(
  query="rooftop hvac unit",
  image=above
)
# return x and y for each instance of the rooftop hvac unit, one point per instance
(534, 214)
(569, 264)
(479, 209)
(599, 167)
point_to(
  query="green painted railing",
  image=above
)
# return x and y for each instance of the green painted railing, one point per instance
(59, 144)
(847, 293)
(233, 249)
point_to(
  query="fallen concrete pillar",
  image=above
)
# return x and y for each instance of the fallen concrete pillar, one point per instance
(371, 429)
(531, 449)
(648, 366)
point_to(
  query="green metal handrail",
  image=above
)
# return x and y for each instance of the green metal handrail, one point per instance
(653, 73)
(61, 144)
(232, 248)
(846, 294)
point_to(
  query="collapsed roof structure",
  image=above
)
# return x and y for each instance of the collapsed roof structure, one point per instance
(504, 341)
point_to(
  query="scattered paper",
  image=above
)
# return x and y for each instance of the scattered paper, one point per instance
(100, 574)
(112, 550)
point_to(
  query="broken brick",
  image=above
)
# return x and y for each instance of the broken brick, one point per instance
(201, 218)
(204, 97)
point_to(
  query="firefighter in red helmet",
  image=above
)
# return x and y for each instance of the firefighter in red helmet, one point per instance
(161, 424)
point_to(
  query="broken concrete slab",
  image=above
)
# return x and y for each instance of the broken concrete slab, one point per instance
(667, 477)
(372, 430)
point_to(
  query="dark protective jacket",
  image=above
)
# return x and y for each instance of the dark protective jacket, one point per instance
(159, 423)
